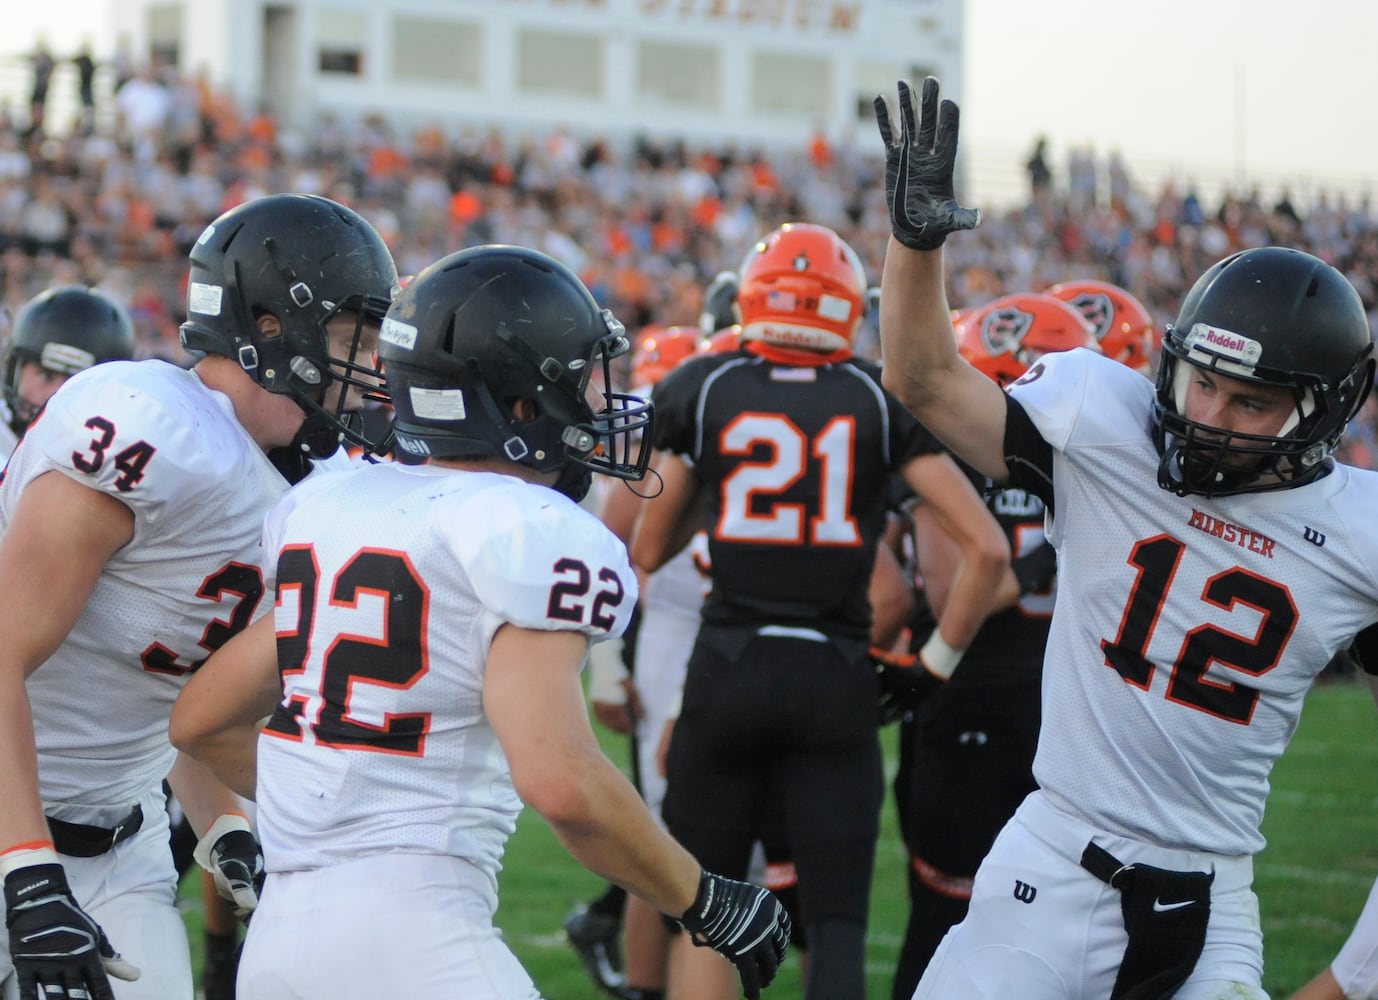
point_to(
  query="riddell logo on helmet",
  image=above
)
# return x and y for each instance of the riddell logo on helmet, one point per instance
(413, 445)
(1223, 342)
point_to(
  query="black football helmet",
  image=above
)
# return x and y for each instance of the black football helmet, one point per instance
(719, 309)
(304, 259)
(64, 330)
(1275, 317)
(481, 329)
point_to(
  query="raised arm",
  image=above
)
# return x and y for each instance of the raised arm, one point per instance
(922, 367)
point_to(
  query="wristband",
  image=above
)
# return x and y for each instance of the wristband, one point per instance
(227, 823)
(607, 672)
(938, 658)
(32, 852)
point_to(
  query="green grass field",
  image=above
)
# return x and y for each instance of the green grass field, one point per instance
(1322, 857)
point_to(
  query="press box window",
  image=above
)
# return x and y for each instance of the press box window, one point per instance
(561, 63)
(340, 37)
(685, 76)
(789, 84)
(429, 50)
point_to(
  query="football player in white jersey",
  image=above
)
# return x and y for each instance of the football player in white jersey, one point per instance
(432, 618)
(57, 333)
(132, 511)
(1212, 558)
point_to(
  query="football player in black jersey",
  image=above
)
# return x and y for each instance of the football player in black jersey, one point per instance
(790, 443)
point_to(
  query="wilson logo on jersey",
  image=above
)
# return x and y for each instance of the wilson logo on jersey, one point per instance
(1236, 533)
(1024, 892)
(1316, 538)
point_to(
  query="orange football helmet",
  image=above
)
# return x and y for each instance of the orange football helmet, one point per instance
(802, 287)
(660, 348)
(1004, 337)
(1123, 326)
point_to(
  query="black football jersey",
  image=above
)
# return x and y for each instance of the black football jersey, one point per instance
(1000, 673)
(792, 463)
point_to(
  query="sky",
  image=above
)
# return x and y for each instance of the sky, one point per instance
(1277, 88)
(1200, 90)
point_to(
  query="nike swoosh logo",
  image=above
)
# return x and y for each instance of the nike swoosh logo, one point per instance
(1160, 907)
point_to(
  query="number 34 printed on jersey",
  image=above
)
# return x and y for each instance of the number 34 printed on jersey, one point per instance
(399, 658)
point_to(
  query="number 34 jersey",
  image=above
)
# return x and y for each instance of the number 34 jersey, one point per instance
(154, 437)
(1187, 630)
(392, 581)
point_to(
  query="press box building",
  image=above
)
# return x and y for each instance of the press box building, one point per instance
(759, 71)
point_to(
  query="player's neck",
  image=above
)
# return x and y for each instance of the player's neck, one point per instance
(498, 465)
(271, 419)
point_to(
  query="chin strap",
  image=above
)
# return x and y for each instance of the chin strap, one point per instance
(318, 437)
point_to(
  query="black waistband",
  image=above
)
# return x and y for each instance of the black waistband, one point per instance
(1104, 865)
(77, 840)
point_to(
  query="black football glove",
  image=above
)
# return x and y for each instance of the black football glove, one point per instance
(742, 922)
(902, 682)
(918, 170)
(231, 854)
(58, 951)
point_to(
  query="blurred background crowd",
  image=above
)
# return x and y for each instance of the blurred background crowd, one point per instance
(116, 197)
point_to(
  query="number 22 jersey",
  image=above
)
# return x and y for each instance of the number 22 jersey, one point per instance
(392, 581)
(1187, 630)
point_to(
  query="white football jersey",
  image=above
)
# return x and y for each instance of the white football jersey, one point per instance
(157, 439)
(392, 581)
(8, 438)
(1187, 631)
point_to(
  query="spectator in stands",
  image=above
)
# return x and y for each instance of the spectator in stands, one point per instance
(43, 63)
(86, 85)
(1040, 174)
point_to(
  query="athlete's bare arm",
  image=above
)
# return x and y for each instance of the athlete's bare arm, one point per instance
(665, 525)
(985, 553)
(939, 558)
(217, 716)
(203, 796)
(533, 698)
(964, 408)
(891, 596)
(51, 558)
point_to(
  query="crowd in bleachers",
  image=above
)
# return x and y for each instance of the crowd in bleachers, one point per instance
(118, 201)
